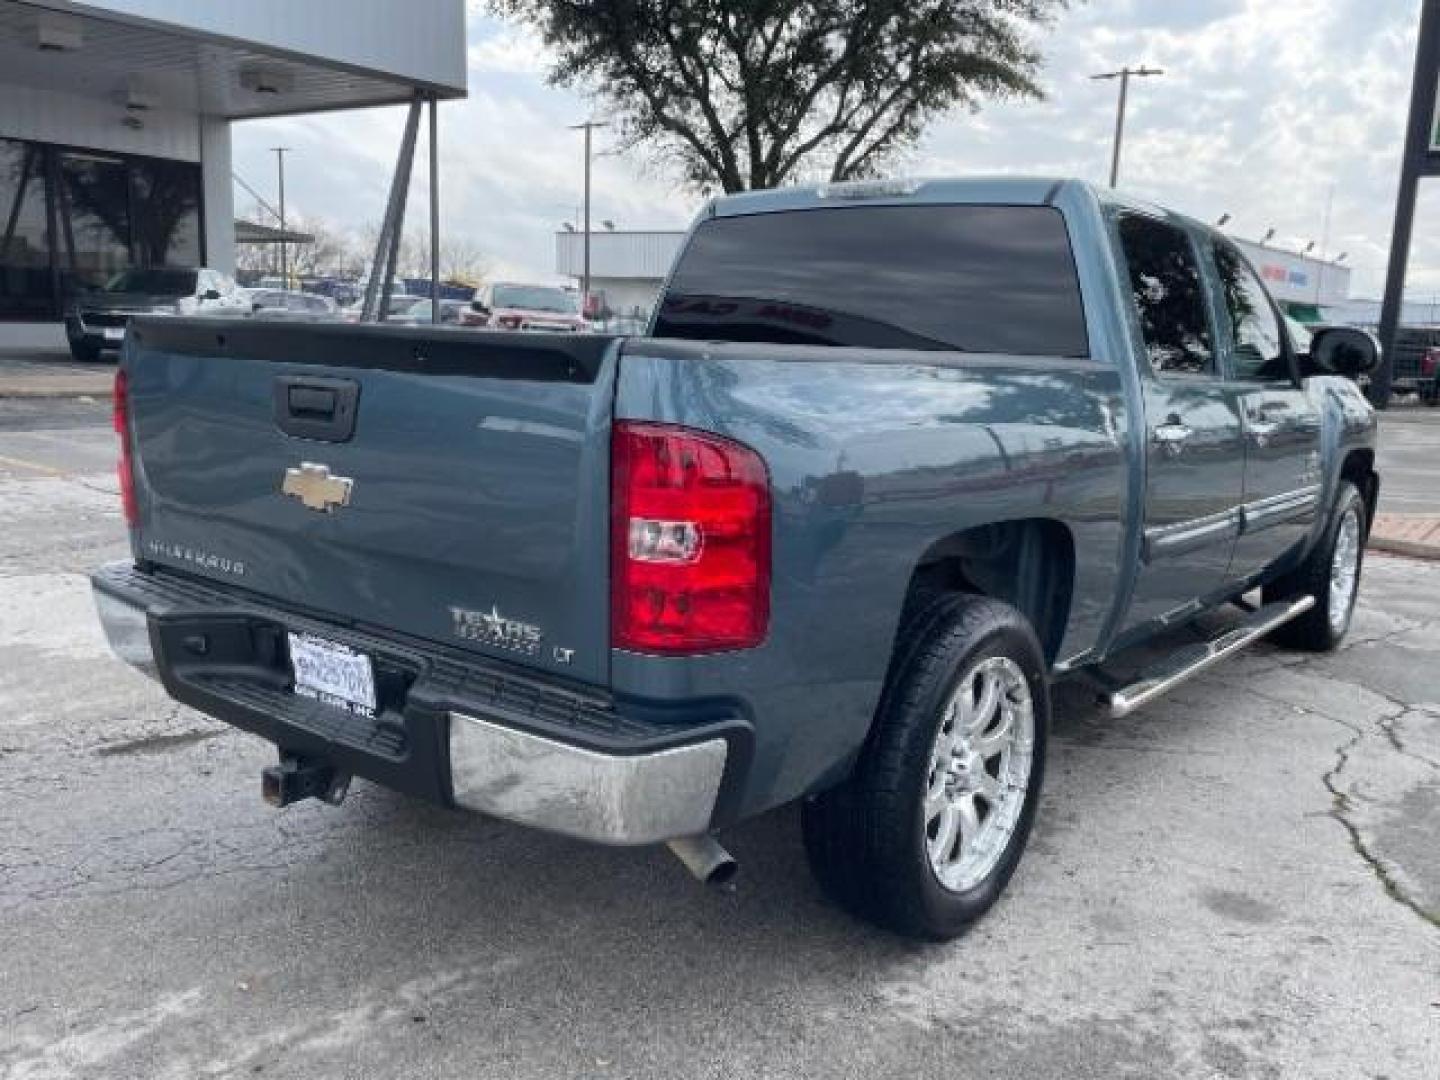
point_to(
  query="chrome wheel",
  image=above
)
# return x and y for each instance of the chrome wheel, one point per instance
(979, 772)
(1344, 570)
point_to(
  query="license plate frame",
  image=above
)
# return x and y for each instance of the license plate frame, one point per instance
(113, 333)
(332, 673)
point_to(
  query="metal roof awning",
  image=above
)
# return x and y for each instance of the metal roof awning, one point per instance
(251, 232)
(235, 61)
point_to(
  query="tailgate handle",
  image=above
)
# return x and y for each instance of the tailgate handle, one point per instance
(312, 403)
(315, 408)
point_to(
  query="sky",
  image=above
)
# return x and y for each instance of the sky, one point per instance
(1269, 110)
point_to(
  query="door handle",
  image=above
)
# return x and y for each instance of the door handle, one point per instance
(316, 408)
(1171, 436)
(312, 402)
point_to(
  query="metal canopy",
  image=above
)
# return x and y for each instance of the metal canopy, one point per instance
(251, 232)
(166, 67)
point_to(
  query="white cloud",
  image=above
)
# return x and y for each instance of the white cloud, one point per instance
(1264, 107)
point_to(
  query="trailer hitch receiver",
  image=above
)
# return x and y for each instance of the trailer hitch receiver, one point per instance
(295, 779)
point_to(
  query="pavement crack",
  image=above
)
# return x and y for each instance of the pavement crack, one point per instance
(1340, 806)
(1390, 725)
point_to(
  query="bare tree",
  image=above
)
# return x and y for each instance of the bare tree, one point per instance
(462, 260)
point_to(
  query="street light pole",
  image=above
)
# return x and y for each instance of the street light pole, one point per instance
(1123, 75)
(280, 152)
(588, 126)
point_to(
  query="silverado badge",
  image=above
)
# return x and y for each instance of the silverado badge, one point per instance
(314, 486)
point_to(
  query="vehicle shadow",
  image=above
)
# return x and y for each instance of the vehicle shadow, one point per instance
(471, 915)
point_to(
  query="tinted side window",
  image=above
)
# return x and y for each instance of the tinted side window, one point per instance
(1169, 296)
(1258, 352)
(973, 278)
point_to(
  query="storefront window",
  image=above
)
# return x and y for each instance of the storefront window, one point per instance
(26, 286)
(109, 212)
(94, 210)
(167, 213)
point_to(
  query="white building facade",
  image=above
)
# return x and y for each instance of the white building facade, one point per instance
(115, 123)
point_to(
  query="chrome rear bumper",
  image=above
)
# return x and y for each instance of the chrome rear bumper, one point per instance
(127, 628)
(633, 786)
(605, 798)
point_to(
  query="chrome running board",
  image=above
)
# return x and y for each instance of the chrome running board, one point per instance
(1172, 670)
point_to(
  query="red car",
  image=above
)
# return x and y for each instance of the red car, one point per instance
(508, 306)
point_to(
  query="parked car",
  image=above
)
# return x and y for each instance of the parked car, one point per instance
(419, 313)
(96, 320)
(896, 458)
(1430, 377)
(279, 303)
(1413, 347)
(400, 303)
(625, 325)
(510, 306)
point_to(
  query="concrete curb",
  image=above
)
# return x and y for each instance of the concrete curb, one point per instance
(1415, 535)
(1404, 547)
(57, 388)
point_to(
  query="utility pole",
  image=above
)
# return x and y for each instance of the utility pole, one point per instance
(280, 152)
(588, 126)
(1324, 245)
(1123, 75)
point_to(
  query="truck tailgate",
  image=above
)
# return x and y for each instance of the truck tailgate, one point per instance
(446, 484)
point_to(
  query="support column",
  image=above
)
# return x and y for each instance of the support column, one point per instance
(218, 194)
(434, 211)
(387, 245)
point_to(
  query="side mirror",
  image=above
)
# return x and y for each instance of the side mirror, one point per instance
(1344, 350)
(210, 294)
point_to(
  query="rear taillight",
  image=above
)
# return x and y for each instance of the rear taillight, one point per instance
(1430, 362)
(125, 467)
(689, 541)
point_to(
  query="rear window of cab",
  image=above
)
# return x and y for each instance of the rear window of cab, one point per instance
(985, 279)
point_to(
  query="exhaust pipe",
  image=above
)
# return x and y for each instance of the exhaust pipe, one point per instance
(703, 856)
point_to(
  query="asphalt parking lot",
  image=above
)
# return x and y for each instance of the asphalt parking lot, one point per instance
(1241, 880)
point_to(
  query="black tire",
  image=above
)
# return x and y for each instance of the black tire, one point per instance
(1316, 630)
(867, 839)
(86, 352)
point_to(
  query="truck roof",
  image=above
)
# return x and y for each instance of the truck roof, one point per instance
(1012, 190)
(1009, 190)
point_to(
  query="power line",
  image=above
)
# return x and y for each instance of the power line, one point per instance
(255, 195)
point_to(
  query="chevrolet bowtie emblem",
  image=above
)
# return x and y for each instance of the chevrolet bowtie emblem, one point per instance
(314, 486)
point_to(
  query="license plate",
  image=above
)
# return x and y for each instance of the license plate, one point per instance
(114, 333)
(333, 673)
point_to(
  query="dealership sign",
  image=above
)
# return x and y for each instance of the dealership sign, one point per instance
(1297, 278)
(1279, 275)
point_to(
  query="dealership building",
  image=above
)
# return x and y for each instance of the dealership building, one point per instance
(628, 268)
(115, 123)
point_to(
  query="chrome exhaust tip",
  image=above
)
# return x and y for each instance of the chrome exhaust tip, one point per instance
(706, 860)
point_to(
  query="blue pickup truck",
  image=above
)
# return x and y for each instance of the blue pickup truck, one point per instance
(893, 458)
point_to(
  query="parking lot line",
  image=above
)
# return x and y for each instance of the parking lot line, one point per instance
(21, 463)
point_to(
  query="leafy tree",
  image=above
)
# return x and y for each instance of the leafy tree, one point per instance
(754, 93)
